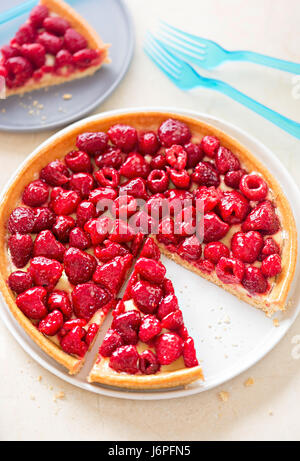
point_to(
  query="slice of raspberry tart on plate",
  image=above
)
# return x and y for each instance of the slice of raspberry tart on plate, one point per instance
(147, 345)
(54, 46)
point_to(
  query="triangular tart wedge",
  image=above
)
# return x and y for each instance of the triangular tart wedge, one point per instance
(147, 345)
(54, 46)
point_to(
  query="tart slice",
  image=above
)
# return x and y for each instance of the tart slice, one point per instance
(54, 46)
(147, 345)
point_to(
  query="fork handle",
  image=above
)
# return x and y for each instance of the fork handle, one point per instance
(282, 122)
(268, 61)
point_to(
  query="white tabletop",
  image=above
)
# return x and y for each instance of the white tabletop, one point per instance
(31, 407)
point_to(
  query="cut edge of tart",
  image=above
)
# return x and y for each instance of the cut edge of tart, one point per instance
(145, 337)
(77, 22)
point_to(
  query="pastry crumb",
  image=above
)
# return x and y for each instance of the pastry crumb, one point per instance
(67, 96)
(276, 322)
(39, 378)
(249, 382)
(59, 396)
(224, 396)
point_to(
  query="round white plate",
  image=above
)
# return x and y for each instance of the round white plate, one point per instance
(230, 335)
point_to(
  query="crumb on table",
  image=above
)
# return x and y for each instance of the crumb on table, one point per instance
(224, 396)
(276, 322)
(249, 382)
(67, 96)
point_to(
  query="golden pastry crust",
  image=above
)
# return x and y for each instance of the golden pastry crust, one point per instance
(82, 26)
(58, 148)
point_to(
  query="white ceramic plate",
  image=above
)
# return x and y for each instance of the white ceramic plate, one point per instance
(230, 336)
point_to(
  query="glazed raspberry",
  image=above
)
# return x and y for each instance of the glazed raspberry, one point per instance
(74, 41)
(123, 136)
(66, 202)
(45, 272)
(173, 132)
(137, 243)
(36, 193)
(122, 232)
(254, 281)
(168, 288)
(20, 247)
(189, 353)
(62, 227)
(194, 154)
(178, 199)
(21, 221)
(214, 251)
(271, 266)
(213, 228)
(246, 247)
(82, 183)
(168, 347)
(112, 274)
(183, 332)
(157, 206)
(151, 270)
(112, 341)
(167, 305)
(55, 173)
(166, 232)
(158, 162)
(46, 245)
(230, 270)
(44, 219)
(270, 247)
(205, 174)
(185, 222)
(88, 298)
(91, 333)
(233, 207)
(79, 266)
(51, 43)
(210, 145)
(26, 34)
(9, 52)
(262, 218)
(149, 328)
(176, 157)
(108, 176)
(63, 58)
(59, 300)
(146, 296)
(143, 223)
(226, 161)
(85, 211)
(127, 325)
(180, 179)
(79, 239)
(135, 187)
(207, 197)
(52, 323)
(19, 281)
(112, 158)
(73, 342)
(19, 70)
(173, 321)
(125, 206)
(254, 187)
(135, 166)
(35, 53)
(233, 178)
(190, 248)
(101, 195)
(150, 250)
(78, 161)
(70, 324)
(98, 229)
(84, 58)
(148, 363)
(92, 143)
(125, 360)
(148, 143)
(205, 266)
(32, 303)
(37, 15)
(56, 25)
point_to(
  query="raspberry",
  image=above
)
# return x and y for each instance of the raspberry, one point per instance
(98, 229)
(135, 166)
(173, 321)
(20, 247)
(52, 323)
(246, 247)
(19, 70)
(205, 266)
(112, 341)
(108, 176)
(148, 143)
(226, 161)
(85, 211)
(62, 227)
(176, 157)
(44, 219)
(180, 179)
(168, 347)
(190, 248)
(173, 132)
(101, 195)
(19, 281)
(262, 218)
(230, 270)
(194, 154)
(271, 266)
(214, 251)
(78, 161)
(158, 162)
(74, 41)
(109, 250)
(166, 232)
(32, 303)
(150, 270)
(82, 183)
(167, 305)
(56, 25)
(26, 34)
(73, 343)
(45, 272)
(36, 193)
(125, 360)
(189, 353)
(168, 288)
(207, 197)
(112, 274)
(205, 174)
(9, 52)
(79, 239)
(185, 222)
(158, 181)
(35, 53)
(55, 173)
(178, 199)
(37, 15)
(84, 58)
(92, 143)
(234, 207)
(63, 58)
(88, 298)
(150, 250)
(125, 206)
(157, 206)
(46, 245)
(122, 232)
(123, 136)
(270, 247)
(91, 333)
(51, 43)
(59, 300)
(233, 178)
(127, 325)
(149, 364)
(21, 221)
(253, 187)
(112, 158)
(210, 145)
(66, 202)
(79, 266)
(254, 281)
(149, 328)
(213, 228)
(146, 296)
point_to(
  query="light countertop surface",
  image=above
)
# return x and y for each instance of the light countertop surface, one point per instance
(267, 410)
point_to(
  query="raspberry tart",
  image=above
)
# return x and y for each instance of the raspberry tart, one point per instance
(54, 46)
(64, 258)
(147, 345)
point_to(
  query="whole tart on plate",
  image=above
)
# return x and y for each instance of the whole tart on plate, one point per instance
(63, 260)
(54, 46)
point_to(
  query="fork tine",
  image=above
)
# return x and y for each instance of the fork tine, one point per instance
(180, 34)
(166, 54)
(179, 46)
(153, 53)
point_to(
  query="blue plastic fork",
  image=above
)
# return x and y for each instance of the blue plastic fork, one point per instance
(18, 10)
(208, 54)
(185, 77)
